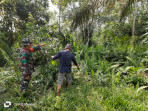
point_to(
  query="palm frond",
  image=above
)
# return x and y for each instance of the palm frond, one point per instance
(6, 56)
(87, 11)
(142, 87)
(125, 8)
(82, 16)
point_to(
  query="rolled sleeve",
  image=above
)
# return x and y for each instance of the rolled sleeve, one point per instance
(37, 47)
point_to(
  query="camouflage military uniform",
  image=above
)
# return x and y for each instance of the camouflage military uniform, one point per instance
(27, 67)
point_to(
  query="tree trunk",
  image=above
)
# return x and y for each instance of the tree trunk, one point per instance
(59, 16)
(134, 19)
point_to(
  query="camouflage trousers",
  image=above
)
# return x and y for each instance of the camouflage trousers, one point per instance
(62, 76)
(25, 82)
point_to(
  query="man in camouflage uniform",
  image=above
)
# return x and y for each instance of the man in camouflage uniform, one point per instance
(26, 60)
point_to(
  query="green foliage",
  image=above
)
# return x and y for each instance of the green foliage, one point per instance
(112, 68)
(4, 52)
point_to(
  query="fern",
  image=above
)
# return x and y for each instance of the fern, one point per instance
(132, 61)
(5, 55)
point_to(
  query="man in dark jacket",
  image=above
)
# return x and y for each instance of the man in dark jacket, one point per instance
(65, 57)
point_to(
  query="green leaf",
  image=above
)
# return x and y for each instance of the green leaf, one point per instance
(6, 56)
(133, 61)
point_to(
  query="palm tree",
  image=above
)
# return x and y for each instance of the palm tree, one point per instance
(88, 10)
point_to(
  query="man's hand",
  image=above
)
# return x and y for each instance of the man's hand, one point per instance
(52, 57)
(28, 77)
(38, 72)
(78, 67)
(42, 44)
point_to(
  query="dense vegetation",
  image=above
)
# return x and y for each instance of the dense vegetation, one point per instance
(109, 38)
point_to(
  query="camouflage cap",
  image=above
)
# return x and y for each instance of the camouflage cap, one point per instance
(26, 41)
